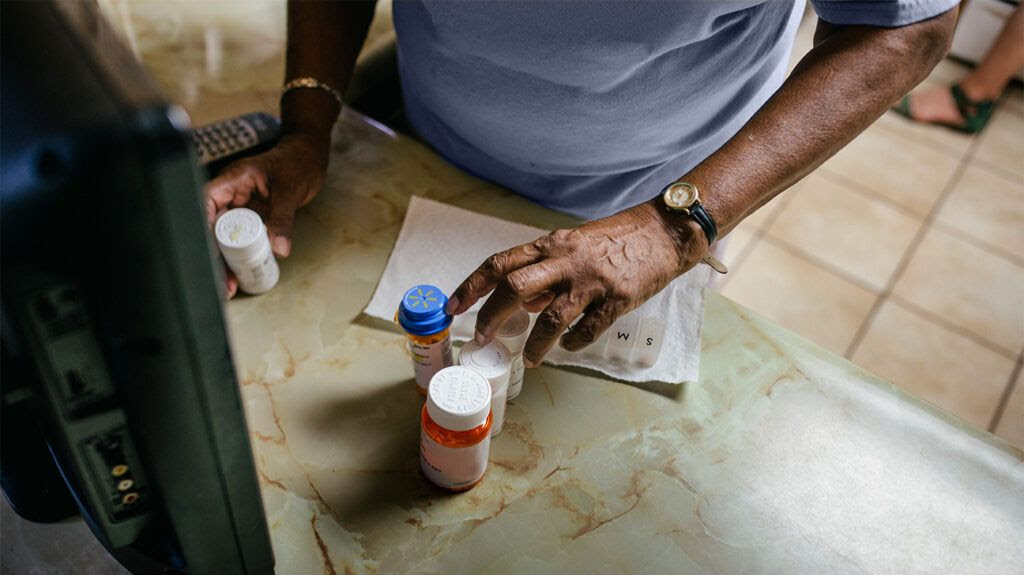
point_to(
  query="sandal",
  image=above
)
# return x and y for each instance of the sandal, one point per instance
(975, 114)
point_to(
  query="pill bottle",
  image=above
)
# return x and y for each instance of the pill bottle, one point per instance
(513, 333)
(243, 240)
(455, 428)
(494, 362)
(422, 317)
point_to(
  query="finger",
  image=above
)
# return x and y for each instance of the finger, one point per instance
(485, 278)
(233, 188)
(594, 322)
(551, 323)
(231, 284)
(230, 280)
(538, 303)
(520, 285)
(280, 221)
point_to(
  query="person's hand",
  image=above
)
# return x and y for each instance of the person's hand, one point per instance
(602, 269)
(275, 184)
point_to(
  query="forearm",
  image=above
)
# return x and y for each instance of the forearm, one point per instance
(324, 40)
(850, 77)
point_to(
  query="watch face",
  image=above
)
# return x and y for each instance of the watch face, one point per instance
(680, 196)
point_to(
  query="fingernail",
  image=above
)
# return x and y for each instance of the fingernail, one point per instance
(480, 338)
(529, 363)
(453, 304)
(282, 247)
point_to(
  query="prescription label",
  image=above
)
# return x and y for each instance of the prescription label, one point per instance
(428, 359)
(453, 467)
(515, 380)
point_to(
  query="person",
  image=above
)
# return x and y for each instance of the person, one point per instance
(968, 105)
(593, 108)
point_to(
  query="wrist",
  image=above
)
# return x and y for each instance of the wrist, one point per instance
(308, 153)
(684, 234)
(309, 113)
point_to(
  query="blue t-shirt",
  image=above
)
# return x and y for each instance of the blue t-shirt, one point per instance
(592, 107)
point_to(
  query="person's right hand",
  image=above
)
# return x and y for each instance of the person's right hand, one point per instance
(275, 184)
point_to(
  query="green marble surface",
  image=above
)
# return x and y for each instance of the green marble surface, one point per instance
(782, 458)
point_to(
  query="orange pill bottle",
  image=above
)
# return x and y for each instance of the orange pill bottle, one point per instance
(455, 428)
(421, 315)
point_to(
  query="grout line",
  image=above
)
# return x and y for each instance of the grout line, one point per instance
(951, 327)
(867, 192)
(911, 250)
(1005, 398)
(954, 152)
(981, 244)
(947, 149)
(824, 264)
(736, 266)
(998, 171)
(758, 234)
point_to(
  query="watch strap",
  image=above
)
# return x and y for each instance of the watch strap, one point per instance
(706, 222)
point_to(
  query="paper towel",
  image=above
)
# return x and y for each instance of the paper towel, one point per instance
(442, 245)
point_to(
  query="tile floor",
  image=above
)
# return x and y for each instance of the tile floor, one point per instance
(905, 254)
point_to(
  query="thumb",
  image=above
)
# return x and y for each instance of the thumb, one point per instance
(279, 226)
(233, 187)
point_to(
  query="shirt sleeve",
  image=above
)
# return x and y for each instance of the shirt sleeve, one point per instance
(883, 13)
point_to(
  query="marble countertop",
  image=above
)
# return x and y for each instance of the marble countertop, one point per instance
(782, 458)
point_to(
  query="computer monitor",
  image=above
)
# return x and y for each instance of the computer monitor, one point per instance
(119, 396)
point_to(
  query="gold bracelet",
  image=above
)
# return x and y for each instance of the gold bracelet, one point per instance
(310, 82)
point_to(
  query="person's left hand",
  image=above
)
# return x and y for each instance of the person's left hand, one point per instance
(602, 269)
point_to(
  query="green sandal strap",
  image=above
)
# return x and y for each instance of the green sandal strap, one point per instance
(903, 107)
(974, 113)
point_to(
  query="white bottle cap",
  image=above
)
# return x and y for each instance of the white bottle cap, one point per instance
(458, 398)
(515, 331)
(493, 361)
(241, 234)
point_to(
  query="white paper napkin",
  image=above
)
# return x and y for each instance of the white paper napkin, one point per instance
(441, 245)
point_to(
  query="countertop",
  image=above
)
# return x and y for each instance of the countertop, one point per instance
(782, 458)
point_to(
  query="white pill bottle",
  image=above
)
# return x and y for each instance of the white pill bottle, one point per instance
(455, 428)
(493, 361)
(514, 333)
(243, 240)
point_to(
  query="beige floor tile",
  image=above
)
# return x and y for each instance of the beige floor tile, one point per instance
(864, 237)
(946, 73)
(800, 296)
(967, 286)
(1013, 99)
(804, 40)
(935, 364)
(767, 212)
(1011, 424)
(1002, 142)
(735, 243)
(988, 207)
(730, 251)
(895, 166)
(941, 138)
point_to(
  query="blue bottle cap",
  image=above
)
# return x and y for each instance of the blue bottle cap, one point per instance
(422, 310)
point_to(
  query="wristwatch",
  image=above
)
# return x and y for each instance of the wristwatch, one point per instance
(684, 197)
